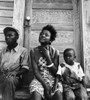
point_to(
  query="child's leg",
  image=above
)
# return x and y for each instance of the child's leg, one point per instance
(57, 96)
(58, 93)
(69, 95)
(36, 90)
(0, 93)
(35, 96)
(81, 93)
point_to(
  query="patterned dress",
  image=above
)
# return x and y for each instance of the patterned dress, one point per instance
(45, 73)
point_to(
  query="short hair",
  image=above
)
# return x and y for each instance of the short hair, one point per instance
(68, 49)
(52, 30)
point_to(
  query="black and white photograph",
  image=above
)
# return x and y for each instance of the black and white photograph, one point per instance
(44, 49)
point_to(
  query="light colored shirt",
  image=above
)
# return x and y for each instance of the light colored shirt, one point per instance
(14, 59)
(76, 68)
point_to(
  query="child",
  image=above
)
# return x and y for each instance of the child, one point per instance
(72, 77)
(45, 62)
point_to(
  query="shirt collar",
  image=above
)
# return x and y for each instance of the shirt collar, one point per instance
(14, 49)
(69, 66)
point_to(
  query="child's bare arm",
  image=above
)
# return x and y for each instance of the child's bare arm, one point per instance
(83, 82)
(57, 79)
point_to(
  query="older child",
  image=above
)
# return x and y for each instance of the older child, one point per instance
(72, 77)
(45, 61)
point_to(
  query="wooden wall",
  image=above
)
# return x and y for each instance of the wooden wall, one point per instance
(6, 18)
(86, 38)
(12, 14)
(63, 14)
(60, 13)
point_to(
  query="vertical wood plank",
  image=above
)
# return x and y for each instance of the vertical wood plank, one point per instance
(86, 38)
(76, 29)
(27, 31)
(18, 18)
(81, 32)
(28, 13)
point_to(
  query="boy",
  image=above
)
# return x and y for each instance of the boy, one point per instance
(72, 77)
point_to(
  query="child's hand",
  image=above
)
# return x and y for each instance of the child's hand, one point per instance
(45, 52)
(73, 75)
(47, 92)
(57, 86)
(54, 87)
(11, 75)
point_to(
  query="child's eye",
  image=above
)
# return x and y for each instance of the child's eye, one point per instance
(41, 33)
(46, 35)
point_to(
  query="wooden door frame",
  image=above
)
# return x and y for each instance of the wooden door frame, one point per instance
(84, 40)
(76, 30)
(79, 10)
(80, 7)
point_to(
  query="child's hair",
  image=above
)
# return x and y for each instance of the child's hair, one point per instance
(68, 49)
(52, 30)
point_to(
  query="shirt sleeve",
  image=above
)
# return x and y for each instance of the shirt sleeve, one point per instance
(59, 70)
(25, 59)
(80, 72)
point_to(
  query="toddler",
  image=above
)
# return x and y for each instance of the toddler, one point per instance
(72, 77)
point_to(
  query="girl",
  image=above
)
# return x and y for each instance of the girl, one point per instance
(45, 61)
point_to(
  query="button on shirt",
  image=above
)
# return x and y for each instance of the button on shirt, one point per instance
(14, 59)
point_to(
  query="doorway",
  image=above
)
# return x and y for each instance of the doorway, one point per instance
(63, 15)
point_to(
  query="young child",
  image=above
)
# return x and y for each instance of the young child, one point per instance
(72, 77)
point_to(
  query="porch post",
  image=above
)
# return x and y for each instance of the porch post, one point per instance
(85, 13)
(18, 18)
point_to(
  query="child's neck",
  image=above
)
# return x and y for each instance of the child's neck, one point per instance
(71, 64)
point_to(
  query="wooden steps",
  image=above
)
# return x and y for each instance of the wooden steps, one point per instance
(88, 92)
(22, 94)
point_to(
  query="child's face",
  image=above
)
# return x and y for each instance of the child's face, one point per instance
(44, 36)
(69, 57)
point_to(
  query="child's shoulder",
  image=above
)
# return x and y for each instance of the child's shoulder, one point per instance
(77, 64)
(63, 64)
